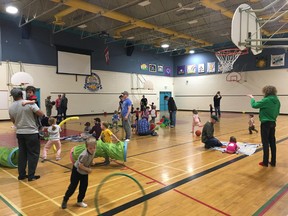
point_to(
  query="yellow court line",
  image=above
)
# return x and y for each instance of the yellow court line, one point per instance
(37, 191)
(13, 205)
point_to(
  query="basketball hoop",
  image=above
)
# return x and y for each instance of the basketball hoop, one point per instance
(227, 58)
(22, 79)
(148, 85)
(233, 77)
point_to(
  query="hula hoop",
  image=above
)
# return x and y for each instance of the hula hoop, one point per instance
(10, 156)
(118, 174)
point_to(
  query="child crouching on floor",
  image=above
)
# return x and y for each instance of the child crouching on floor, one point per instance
(232, 146)
(80, 171)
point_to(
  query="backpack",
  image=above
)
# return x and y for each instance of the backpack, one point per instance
(231, 148)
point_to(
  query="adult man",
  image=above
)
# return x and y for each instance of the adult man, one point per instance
(126, 117)
(27, 134)
(63, 106)
(48, 105)
(269, 110)
(143, 128)
(216, 100)
(143, 103)
(208, 134)
(172, 108)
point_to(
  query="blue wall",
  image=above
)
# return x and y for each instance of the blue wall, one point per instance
(243, 63)
(40, 49)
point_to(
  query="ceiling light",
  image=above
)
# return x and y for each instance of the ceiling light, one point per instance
(82, 26)
(165, 45)
(130, 38)
(192, 22)
(144, 3)
(11, 10)
(191, 51)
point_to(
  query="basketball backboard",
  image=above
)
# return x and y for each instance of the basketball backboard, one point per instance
(245, 26)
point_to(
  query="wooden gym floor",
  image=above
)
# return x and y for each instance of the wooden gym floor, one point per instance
(179, 176)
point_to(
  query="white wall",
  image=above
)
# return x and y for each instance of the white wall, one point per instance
(82, 101)
(197, 92)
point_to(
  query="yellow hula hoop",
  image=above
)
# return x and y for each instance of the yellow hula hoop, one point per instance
(63, 122)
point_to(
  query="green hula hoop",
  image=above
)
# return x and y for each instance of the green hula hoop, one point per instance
(118, 174)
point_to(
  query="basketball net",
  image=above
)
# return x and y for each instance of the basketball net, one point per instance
(227, 58)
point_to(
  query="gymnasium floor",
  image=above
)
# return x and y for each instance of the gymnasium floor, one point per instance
(179, 176)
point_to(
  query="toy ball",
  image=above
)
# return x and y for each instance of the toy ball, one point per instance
(198, 133)
(53, 103)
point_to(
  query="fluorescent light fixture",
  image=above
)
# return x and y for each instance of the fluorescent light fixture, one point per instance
(191, 51)
(82, 26)
(144, 3)
(130, 38)
(165, 45)
(192, 22)
(11, 10)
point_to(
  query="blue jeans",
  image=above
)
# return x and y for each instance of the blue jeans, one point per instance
(217, 111)
(127, 127)
(173, 118)
(213, 142)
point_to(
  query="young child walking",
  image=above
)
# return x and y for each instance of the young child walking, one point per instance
(80, 171)
(54, 139)
(196, 121)
(153, 114)
(115, 120)
(251, 124)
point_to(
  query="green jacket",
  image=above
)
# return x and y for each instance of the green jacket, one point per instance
(269, 108)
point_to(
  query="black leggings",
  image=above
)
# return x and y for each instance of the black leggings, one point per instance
(74, 180)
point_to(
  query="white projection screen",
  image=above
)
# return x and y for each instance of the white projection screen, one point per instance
(76, 62)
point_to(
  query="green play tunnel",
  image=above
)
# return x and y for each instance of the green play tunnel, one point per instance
(116, 151)
(9, 156)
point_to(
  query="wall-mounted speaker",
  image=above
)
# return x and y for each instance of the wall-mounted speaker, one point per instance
(129, 49)
(26, 31)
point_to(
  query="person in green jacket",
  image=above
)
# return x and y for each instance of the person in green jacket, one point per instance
(269, 110)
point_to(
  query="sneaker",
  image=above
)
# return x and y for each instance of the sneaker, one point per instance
(64, 204)
(127, 140)
(82, 204)
(262, 164)
(35, 177)
(43, 160)
(57, 159)
(172, 126)
(272, 165)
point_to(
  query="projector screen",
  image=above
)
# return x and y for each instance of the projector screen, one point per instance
(72, 61)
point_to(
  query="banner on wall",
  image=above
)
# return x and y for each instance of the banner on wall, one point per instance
(152, 68)
(277, 60)
(181, 70)
(160, 68)
(92, 82)
(191, 69)
(210, 67)
(201, 68)
(144, 67)
(168, 71)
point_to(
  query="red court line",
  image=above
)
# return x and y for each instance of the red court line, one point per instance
(184, 194)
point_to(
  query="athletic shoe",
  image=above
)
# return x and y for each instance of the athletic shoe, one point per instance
(82, 204)
(127, 140)
(35, 177)
(64, 204)
(57, 159)
(262, 164)
(272, 165)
